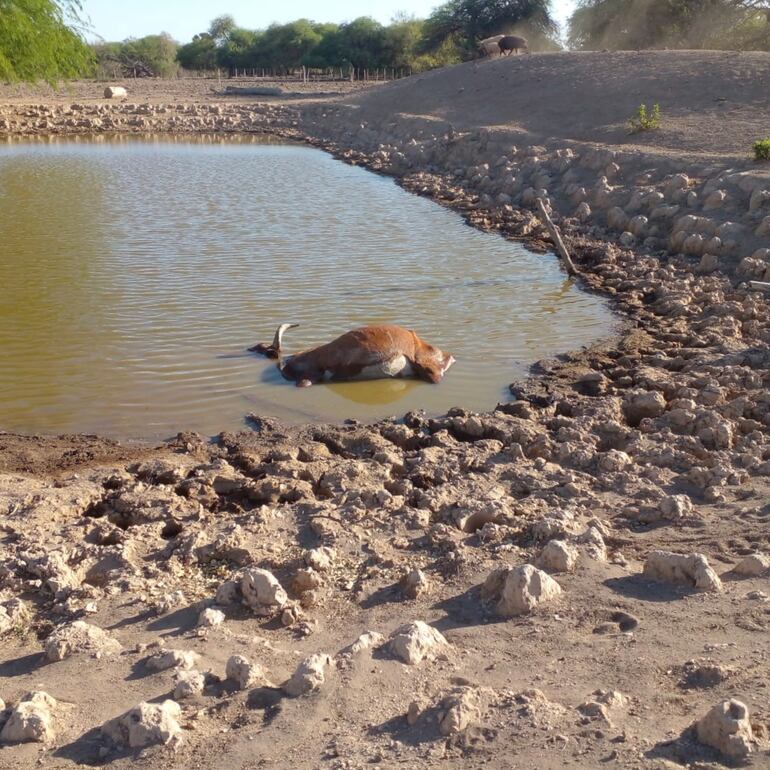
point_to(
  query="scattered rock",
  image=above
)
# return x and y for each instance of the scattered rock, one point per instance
(261, 591)
(309, 675)
(79, 638)
(320, 559)
(727, 728)
(558, 556)
(414, 583)
(692, 570)
(675, 507)
(147, 724)
(365, 641)
(459, 710)
(166, 659)
(189, 684)
(244, 673)
(523, 588)
(211, 617)
(754, 565)
(417, 641)
(31, 720)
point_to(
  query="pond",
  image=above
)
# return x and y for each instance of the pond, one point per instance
(135, 272)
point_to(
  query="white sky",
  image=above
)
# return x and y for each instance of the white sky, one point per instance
(119, 19)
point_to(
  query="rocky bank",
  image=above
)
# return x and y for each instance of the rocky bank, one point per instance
(577, 578)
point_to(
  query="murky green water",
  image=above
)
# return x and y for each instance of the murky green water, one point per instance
(135, 272)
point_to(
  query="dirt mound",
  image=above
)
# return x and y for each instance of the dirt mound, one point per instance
(713, 102)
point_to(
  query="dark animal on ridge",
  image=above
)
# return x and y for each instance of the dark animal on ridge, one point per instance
(510, 43)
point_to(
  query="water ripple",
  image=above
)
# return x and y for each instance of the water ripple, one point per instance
(126, 308)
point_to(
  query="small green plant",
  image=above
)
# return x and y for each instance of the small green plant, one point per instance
(762, 149)
(645, 121)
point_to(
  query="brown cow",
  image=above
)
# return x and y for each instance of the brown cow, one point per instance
(369, 353)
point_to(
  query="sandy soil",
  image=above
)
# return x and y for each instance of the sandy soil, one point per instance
(713, 102)
(183, 90)
(657, 440)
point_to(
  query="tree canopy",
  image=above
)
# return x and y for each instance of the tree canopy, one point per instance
(634, 24)
(42, 40)
(469, 21)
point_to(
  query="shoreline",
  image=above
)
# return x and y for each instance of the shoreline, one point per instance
(656, 439)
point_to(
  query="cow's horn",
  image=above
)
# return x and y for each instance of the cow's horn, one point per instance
(278, 339)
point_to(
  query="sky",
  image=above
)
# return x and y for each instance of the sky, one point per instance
(119, 19)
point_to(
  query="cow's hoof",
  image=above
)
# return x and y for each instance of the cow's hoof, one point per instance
(304, 383)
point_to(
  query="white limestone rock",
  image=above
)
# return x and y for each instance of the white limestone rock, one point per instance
(754, 565)
(309, 675)
(727, 729)
(244, 673)
(166, 659)
(692, 570)
(189, 684)
(31, 720)
(524, 588)
(417, 641)
(211, 617)
(261, 591)
(558, 556)
(147, 724)
(79, 638)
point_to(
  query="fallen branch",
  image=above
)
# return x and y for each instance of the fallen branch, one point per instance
(561, 249)
(760, 285)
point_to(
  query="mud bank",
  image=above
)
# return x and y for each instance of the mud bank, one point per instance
(312, 552)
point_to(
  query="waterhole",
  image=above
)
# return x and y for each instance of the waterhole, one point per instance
(135, 272)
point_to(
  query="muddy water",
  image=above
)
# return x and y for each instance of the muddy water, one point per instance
(135, 272)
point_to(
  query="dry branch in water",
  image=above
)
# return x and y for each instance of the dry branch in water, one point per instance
(553, 231)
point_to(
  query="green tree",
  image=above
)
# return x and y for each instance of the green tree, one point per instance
(156, 53)
(633, 24)
(469, 21)
(237, 50)
(288, 45)
(363, 43)
(199, 54)
(42, 39)
(221, 28)
(402, 40)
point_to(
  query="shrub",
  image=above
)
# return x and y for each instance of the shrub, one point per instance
(762, 149)
(644, 121)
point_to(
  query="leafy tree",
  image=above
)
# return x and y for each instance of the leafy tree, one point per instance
(288, 45)
(469, 21)
(237, 50)
(363, 43)
(633, 24)
(402, 40)
(42, 39)
(157, 53)
(221, 28)
(199, 54)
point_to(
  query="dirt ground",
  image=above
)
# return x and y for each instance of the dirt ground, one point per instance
(655, 441)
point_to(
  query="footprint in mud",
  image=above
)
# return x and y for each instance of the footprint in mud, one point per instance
(617, 621)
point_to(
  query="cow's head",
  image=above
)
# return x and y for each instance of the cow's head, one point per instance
(431, 363)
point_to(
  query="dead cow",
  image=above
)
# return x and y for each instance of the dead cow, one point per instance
(509, 43)
(369, 353)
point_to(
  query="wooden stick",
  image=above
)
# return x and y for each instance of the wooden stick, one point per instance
(760, 285)
(556, 238)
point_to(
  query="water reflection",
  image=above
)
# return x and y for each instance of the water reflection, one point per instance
(136, 270)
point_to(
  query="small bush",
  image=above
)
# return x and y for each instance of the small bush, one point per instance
(644, 121)
(762, 149)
